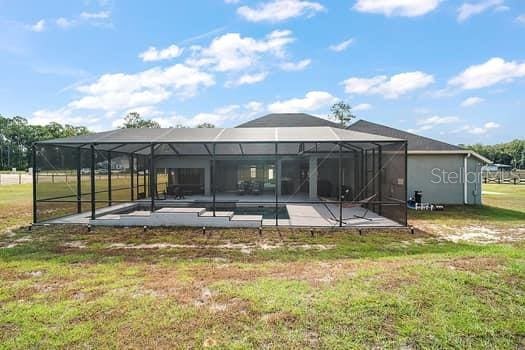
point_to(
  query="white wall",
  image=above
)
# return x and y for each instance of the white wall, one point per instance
(188, 163)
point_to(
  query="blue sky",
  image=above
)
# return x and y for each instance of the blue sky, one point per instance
(447, 69)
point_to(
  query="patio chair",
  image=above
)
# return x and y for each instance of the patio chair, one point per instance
(256, 188)
(243, 187)
(178, 192)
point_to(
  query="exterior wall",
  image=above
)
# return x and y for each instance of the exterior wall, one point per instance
(175, 162)
(440, 177)
(475, 182)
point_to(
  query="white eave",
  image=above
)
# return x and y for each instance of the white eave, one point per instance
(462, 152)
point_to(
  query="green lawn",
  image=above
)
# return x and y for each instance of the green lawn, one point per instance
(64, 287)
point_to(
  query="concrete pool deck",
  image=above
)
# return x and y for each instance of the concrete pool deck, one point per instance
(300, 215)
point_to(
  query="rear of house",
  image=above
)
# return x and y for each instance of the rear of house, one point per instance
(446, 174)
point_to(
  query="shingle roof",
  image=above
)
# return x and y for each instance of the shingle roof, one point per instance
(415, 142)
(283, 120)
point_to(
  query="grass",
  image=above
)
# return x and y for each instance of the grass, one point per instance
(64, 287)
(503, 206)
(505, 196)
(15, 205)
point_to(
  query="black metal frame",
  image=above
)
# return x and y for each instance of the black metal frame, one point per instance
(361, 173)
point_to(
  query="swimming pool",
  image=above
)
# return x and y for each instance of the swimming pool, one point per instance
(266, 212)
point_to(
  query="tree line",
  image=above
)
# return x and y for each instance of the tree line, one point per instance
(17, 136)
(509, 153)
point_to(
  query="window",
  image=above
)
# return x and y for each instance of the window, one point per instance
(253, 172)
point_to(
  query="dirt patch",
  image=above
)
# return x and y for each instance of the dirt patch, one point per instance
(474, 264)
(279, 317)
(481, 234)
(75, 245)
(192, 285)
(245, 248)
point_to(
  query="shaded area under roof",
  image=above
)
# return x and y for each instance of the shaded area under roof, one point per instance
(415, 142)
(288, 120)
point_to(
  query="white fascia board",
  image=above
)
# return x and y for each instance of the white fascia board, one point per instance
(463, 152)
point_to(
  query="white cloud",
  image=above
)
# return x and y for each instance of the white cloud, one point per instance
(428, 123)
(362, 107)
(232, 1)
(391, 88)
(480, 130)
(254, 106)
(342, 45)
(471, 101)
(494, 71)
(521, 18)
(296, 66)
(123, 91)
(102, 18)
(312, 101)
(219, 116)
(279, 10)
(406, 8)
(64, 116)
(232, 52)
(38, 27)
(64, 22)
(95, 15)
(153, 54)
(467, 10)
(118, 100)
(247, 79)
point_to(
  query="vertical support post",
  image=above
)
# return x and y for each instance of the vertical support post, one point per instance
(363, 181)
(374, 189)
(406, 183)
(380, 178)
(79, 180)
(152, 177)
(109, 179)
(145, 181)
(214, 177)
(92, 178)
(366, 174)
(340, 192)
(277, 180)
(35, 170)
(131, 171)
(356, 177)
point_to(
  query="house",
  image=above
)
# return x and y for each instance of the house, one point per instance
(233, 177)
(446, 174)
(436, 168)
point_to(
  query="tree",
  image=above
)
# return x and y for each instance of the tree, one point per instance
(206, 125)
(342, 113)
(510, 153)
(17, 136)
(134, 121)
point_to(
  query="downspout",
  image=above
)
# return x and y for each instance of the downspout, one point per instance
(465, 179)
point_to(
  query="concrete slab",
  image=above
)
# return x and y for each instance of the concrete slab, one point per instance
(138, 213)
(227, 214)
(181, 210)
(246, 218)
(109, 217)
